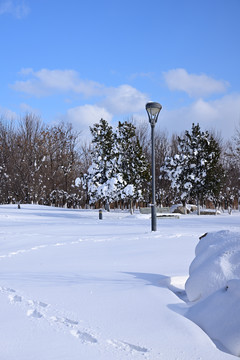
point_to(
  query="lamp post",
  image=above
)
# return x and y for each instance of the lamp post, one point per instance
(153, 110)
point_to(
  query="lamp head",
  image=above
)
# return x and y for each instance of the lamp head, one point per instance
(153, 110)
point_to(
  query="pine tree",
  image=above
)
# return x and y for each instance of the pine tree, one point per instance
(102, 177)
(134, 166)
(195, 171)
(119, 170)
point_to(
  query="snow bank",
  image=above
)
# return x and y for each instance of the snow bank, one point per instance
(216, 262)
(214, 285)
(219, 316)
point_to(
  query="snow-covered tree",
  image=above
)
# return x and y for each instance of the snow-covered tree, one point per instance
(103, 178)
(132, 162)
(119, 169)
(195, 171)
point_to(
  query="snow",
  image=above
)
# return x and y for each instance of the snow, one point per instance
(76, 287)
(217, 259)
(214, 283)
(219, 316)
(78, 181)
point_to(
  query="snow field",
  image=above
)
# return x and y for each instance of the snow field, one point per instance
(76, 287)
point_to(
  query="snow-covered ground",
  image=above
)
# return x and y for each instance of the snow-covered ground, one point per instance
(75, 287)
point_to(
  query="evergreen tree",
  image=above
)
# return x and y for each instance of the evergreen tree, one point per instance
(132, 162)
(195, 171)
(102, 178)
(119, 170)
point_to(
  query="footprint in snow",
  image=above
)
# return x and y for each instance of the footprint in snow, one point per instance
(37, 303)
(122, 345)
(4, 289)
(65, 321)
(84, 336)
(34, 313)
(70, 322)
(14, 298)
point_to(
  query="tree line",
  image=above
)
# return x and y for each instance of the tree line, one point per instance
(38, 164)
(52, 165)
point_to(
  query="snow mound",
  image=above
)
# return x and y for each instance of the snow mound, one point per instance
(219, 316)
(216, 262)
(214, 286)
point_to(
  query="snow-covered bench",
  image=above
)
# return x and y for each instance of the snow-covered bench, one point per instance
(161, 212)
(168, 215)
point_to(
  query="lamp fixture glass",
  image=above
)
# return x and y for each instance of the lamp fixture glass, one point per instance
(153, 109)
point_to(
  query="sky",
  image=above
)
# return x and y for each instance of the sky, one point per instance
(80, 61)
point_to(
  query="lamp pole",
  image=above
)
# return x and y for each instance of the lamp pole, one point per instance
(153, 109)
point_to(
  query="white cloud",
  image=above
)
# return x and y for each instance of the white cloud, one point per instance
(45, 82)
(84, 116)
(194, 85)
(124, 99)
(221, 115)
(16, 8)
(109, 102)
(120, 100)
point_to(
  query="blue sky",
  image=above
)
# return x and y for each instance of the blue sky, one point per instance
(80, 61)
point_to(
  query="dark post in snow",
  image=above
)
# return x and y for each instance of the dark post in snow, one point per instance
(153, 110)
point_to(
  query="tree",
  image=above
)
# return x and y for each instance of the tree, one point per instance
(132, 163)
(27, 159)
(119, 169)
(162, 150)
(37, 163)
(195, 171)
(61, 164)
(103, 168)
(231, 191)
(6, 140)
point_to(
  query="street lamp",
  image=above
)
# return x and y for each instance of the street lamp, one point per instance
(153, 110)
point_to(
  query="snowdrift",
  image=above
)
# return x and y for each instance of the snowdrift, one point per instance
(217, 261)
(214, 287)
